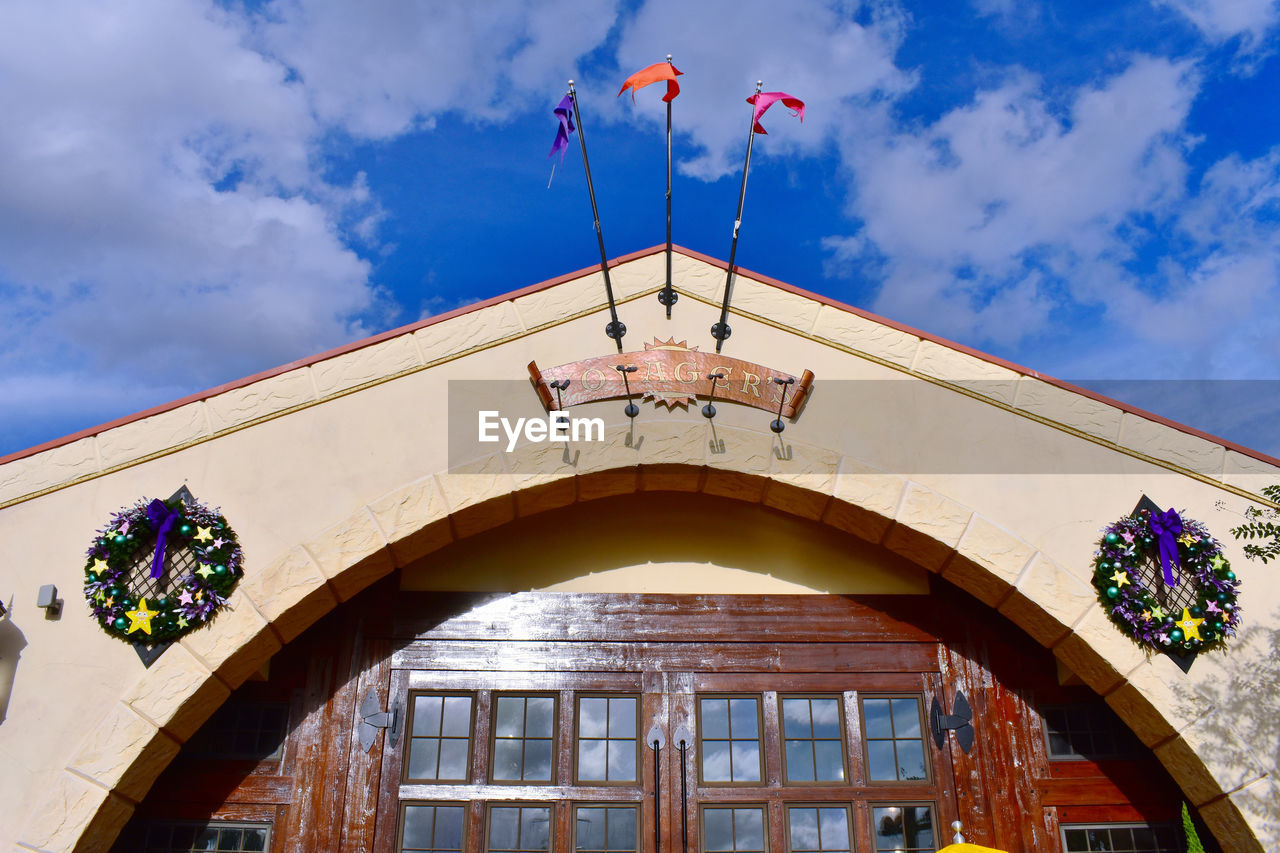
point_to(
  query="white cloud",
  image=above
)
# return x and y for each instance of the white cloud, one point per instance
(813, 51)
(377, 68)
(1002, 210)
(1222, 20)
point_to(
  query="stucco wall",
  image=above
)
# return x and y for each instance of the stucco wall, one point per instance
(335, 472)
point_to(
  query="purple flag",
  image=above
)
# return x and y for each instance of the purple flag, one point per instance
(564, 112)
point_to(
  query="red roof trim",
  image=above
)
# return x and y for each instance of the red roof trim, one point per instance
(644, 253)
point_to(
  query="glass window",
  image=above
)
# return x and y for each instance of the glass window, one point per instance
(440, 738)
(818, 829)
(811, 730)
(733, 830)
(523, 738)
(434, 828)
(894, 744)
(607, 742)
(903, 828)
(245, 731)
(519, 829)
(606, 829)
(187, 837)
(1120, 838)
(730, 742)
(1086, 732)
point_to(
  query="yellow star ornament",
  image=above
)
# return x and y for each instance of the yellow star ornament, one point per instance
(203, 534)
(100, 565)
(1190, 626)
(1157, 612)
(140, 619)
(1218, 563)
(1120, 578)
(1187, 539)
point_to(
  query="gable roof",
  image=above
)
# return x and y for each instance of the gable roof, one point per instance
(917, 353)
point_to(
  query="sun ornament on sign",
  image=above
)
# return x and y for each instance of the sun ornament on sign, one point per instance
(660, 397)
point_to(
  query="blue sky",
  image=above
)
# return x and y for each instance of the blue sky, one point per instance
(194, 191)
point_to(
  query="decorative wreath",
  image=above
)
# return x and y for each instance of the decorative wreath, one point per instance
(161, 569)
(1165, 582)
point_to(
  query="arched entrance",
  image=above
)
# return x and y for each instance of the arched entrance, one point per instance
(522, 722)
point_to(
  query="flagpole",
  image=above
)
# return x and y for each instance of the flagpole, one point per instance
(667, 296)
(721, 331)
(614, 329)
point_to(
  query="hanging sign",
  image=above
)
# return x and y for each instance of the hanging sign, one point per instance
(671, 374)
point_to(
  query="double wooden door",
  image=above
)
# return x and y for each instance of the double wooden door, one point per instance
(674, 740)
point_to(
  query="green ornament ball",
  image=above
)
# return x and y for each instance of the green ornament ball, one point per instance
(1112, 592)
(1217, 625)
(1222, 596)
(1146, 540)
(1231, 575)
(1112, 539)
(93, 577)
(118, 539)
(1176, 635)
(1196, 611)
(121, 623)
(1207, 635)
(186, 529)
(115, 592)
(219, 570)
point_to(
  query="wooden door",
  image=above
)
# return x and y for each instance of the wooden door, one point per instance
(537, 735)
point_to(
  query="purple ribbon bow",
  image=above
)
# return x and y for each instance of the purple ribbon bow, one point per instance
(1166, 526)
(564, 112)
(163, 518)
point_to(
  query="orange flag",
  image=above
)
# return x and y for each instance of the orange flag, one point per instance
(654, 73)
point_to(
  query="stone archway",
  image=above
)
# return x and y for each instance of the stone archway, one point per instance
(137, 738)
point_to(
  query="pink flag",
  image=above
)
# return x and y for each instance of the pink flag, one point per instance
(764, 100)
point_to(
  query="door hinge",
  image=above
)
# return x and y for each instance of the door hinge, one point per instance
(373, 719)
(960, 721)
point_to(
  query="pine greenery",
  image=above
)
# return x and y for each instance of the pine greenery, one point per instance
(1189, 830)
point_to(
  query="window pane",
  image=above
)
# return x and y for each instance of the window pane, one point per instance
(715, 761)
(423, 758)
(804, 830)
(622, 761)
(829, 765)
(795, 718)
(910, 759)
(748, 830)
(622, 829)
(535, 829)
(717, 830)
(881, 764)
(742, 713)
(229, 839)
(453, 759)
(906, 718)
(508, 760)
(835, 830)
(746, 761)
(537, 761)
(504, 828)
(419, 822)
(426, 715)
(622, 718)
(510, 717)
(457, 716)
(591, 830)
(800, 761)
(449, 827)
(875, 716)
(826, 718)
(540, 717)
(715, 718)
(591, 760)
(255, 840)
(593, 717)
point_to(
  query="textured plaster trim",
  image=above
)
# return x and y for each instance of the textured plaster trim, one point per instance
(1189, 452)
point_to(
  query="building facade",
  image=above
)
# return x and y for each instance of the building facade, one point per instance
(680, 633)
